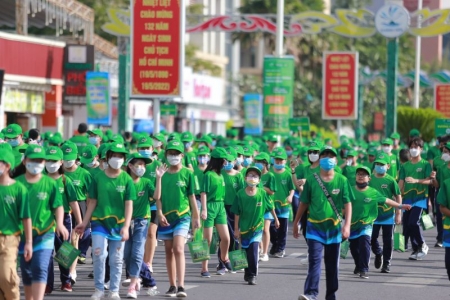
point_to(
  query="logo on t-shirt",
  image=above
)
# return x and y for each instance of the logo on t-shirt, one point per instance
(367, 200)
(9, 199)
(76, 182)
(393, 161)
(283, 182)
(153, 174)
(42, 195)
(61, 190)
(141, 193)
(419, 170)
(182, 184)
(258, 204)
(120, 188)
(335, 191)
(235, 185)
(263, 182)
(384, 186)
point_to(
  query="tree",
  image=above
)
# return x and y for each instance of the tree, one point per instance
(423, 121)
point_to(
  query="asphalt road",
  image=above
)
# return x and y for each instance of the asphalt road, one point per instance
(284, 279)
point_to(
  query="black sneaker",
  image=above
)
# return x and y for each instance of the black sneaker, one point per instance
(363, 275)
(91, 275)
(172, 292)
(246, 277)
(378, 260)
(181, 293)
(356, 271)
(252, 280)
(386, 268)
(438, 244)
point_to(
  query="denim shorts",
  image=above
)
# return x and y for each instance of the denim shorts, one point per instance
(179, 227)
(36, 270)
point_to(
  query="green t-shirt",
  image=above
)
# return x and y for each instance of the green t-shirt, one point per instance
(14, 207)
(67, 191)
(415, 193)
(233, 183)
(199, 179)
(443, 173)
(350, 173)
(433, 152)
(268, 181)
(388, 187)
(364, 211)
(144, 192)
(44, 198)
(251, 210)
(93, 171)
(213, 185)
(284, 187)
(150, 170)
(176, 189)
(323, 224)
(111, 193)
(190, 158)
(444, 200)
(81, 141)
(81, 180)
(438, 162)
(394, 163)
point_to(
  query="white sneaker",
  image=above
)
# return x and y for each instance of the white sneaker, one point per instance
(98, 295)
(106, 285)
(126, 283)
(264, 257)
(114, 295)
(305, 261)
(425, 248)
(73, 277)
(132, 294)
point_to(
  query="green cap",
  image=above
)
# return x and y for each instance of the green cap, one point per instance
(55, 140)
(187, 137)
(35, 152)
(232, 132)
(145, 142)
(118, 148)
(13, 131)
(447, 145)
(88, 153)
(248, 150)
(175, 145)
(272, 138)
(253, 168)
(366, 169)
(353, 153)
(387, 141)
(205, 139)
(97, 132)
(280, 153)
(414, 133)
(239, 150)
(70, 151)
(314, 146)
(53, 153)
(160, 137)
(47, 135)
(7, 156)
(137, 155)
(212, 135)
(231, 151)
(263, 156)
(372, 151)
(173, 136)
(328, 149)
(220, 152)
(395, 136)
(105, 150)
(6, 146)
(248, 138)
(382, 159)
(117, 138)
(203, 151)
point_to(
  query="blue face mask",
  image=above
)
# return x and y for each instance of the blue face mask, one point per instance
(381, 169)
(247, 162)
(228, 167)
(279, 166)
(14, 143)
(146, 153)
(259, 166)
(289, 152)
(272, 161)
(187, 145)
(214, 143)
(327, 163)
(239, 161)
(203, 160)
(93, 140)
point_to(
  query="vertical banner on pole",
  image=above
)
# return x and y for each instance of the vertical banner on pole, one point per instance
(442, 99)
(157, 48)
(253, 114)
(98, 98)
(340, 86)
(278, 79)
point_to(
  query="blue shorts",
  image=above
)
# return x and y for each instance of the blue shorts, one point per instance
(36, 270)
(268, 216)
(179, 227)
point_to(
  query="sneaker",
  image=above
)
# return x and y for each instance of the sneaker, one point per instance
(98, 295)
(251, 280)
(114, 295)
(126, 282)
(48, 290)
(413, 256)
(421, 253)
(306, 297)
(106, 285)
(264, 257)
(221, 271)
(229, 267)
(378, 260)
(279, 254)
(356, 271)
(205, 274)
(81, 260)
(425, 248)
(73, 277)
(246, 277)
(438, 244)
(181, 293)
(363, 275)
(172, 292)
(386, 268)
(132, 294)
(66, 287)
(305, 261)
(91, 275)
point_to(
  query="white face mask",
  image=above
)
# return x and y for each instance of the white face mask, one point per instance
(52, 167)
(387, 149)
(139, 171)
(115, 162)
(313, 157)
(68, 163)
(414, 152)
(156, 143)
(445, 157)
(349, 162)
(174, 159)
(105, 165)
(92, 164)
(35, 168)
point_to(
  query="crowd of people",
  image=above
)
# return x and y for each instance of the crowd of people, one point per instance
(119, 194)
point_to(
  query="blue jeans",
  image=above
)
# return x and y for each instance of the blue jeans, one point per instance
(331, 259)
(134, 247)
(412, 228)
(388, 245)
(36, 270)
(116, 248)
(252, 259)
(278, 236)
(360, 249)
(64, 273)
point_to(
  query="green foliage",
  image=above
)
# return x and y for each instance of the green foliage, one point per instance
(326, 134)
(200, 65)
(421, 119)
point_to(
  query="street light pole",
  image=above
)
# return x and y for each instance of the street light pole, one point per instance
(418, 53)
(280, 29)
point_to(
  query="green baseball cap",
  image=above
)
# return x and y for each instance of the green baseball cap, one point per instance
(53, 153)
(70, 151)
(231, 151)
(104, 150)
(118, 148)
(414, 133)
(353, 153)
(6, 146)
(97, 132)
(160, 137)
(145, 142)
(117, 139)
(328, 149)
(272, 138)
(366, 169)
(395, 136)
(382, 159)
(7, 156)
(220, 152)
(203, 151)
(239, 150)
(232, 133)
(137, 155)
(314, 146)
(187, 137)
(263, 156)
(88, 153)
(253, 168)
(175, 145)
(13, 131)
(212, 135)
(248, 150)
(35, 152)
(205, 139)
(280, 153)
(387, 141)
(372, 151)
(447, 145)
(55, 140)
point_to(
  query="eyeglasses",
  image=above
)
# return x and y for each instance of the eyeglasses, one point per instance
(362, 175)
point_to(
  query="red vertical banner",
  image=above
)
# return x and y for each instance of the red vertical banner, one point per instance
(442, 99)
(157, 48)
(340, 86)
(53, 107)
